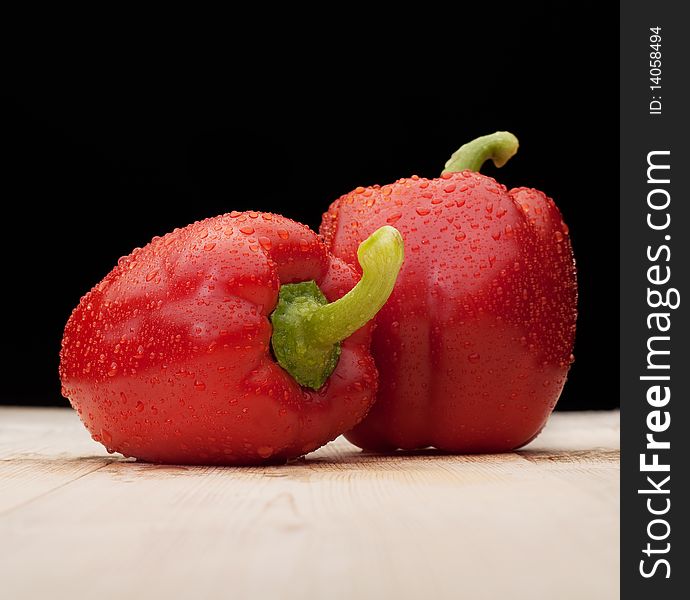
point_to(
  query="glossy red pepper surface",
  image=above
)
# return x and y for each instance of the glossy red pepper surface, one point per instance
(168, 358)
(474, 345)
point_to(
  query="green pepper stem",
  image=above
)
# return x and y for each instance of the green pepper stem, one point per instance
(307, 331)
(499, 147)
(380, 256)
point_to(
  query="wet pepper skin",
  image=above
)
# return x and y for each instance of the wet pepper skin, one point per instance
(168, 359)
(474, 345)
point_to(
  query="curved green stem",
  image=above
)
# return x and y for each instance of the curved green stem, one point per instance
(307, 331)
(499, 147)
(380, 256)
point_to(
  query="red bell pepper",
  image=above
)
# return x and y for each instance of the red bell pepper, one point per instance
(474, 345)
(216, 344)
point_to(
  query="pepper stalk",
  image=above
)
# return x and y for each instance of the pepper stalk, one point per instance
(499, 147)
(307, 330)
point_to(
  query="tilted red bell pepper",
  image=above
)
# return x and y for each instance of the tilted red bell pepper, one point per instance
(216, 344)
(474, 345)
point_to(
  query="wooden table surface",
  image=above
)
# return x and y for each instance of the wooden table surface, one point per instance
(540, 523)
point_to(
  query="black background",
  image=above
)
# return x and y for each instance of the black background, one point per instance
(101, 149)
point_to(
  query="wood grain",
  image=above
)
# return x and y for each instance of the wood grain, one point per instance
(77, 523)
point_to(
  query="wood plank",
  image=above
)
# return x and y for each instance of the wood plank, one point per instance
(42, 449)
(541, 523)
(44, 433)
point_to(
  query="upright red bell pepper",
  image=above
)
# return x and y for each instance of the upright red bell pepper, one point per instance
(216, 343)
(474, 345)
